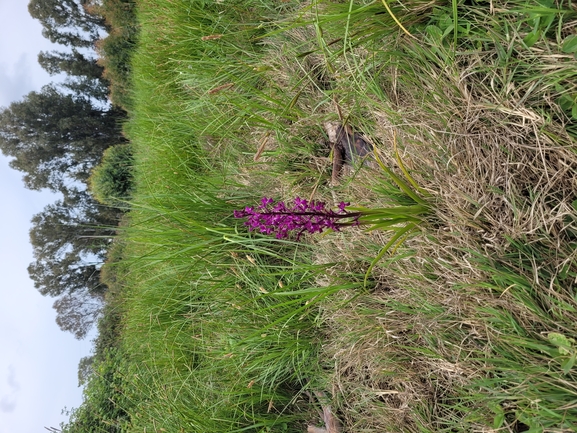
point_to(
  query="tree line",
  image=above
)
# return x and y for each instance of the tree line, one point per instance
(56, 137)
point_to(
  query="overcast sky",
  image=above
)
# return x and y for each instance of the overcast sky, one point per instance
(38, 362)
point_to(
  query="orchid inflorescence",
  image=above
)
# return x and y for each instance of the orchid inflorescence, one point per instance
(302, 217)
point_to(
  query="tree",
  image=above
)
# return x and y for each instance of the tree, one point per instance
(73, 63)
(95, 89)
(85, 75)
(85, 369)
(77, 312)
(57, 138)
(69, 240)
(66, 22)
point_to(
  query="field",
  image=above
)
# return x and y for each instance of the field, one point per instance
(458, 317)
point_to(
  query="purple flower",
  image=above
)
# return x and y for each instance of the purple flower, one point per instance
(303, 216)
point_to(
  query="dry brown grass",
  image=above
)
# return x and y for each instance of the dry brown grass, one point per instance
(497, 171)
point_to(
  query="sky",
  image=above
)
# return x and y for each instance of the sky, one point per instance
(38, 361)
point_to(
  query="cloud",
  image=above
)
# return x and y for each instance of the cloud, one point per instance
(12, 383)
(15, 83)
(8, 401)
(7, 404)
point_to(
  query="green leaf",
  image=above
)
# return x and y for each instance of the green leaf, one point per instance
(448, 30)
(574, 111)
(531, 38)
(498, 420)
(547, 21)
(570, 44)
(445, 22)
(465, 30)
(565, 269)
(568, 364)
(499, 415)
(563, 343)
(566, 102)
(435, 33)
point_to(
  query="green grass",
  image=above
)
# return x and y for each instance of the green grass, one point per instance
(468, 324)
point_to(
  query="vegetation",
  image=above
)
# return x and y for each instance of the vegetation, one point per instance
(466, 325)
(456, 314)
(111, 181)
(69, 240)
(56, 137)
(115, 49)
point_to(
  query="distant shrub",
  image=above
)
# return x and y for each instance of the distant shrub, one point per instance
(105, 406)
(116, 49)
(109, 326)
(110, 274)
(115, 52)
(111, 181)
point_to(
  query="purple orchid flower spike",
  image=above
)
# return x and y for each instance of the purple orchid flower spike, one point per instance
(302, 217)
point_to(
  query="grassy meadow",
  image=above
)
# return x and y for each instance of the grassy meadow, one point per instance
(466, 323)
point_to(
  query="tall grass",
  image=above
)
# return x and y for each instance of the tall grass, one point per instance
(467, 326)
